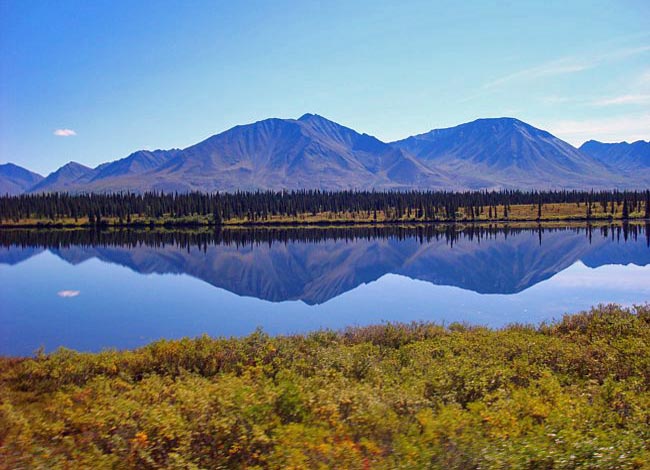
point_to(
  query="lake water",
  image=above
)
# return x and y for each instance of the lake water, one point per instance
(89, 291)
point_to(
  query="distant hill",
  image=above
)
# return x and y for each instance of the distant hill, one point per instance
(313, 152)
(15, 179)
(620, 156)
(510, 153)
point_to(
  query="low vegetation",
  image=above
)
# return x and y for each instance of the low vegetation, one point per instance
(574, 394)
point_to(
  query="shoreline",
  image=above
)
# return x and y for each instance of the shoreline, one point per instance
(321, 223)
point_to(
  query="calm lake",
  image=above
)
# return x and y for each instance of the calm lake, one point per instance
(120, 289)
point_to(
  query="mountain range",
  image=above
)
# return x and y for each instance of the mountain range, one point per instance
(313, 152)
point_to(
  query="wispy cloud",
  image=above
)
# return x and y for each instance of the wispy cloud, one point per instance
(636, 93)
(562, 66)
(566, 65)
(64, 132)
(68, 293)
(623, 53)
(628, 128)
(624, 99)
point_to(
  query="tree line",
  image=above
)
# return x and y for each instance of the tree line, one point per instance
(259, 206)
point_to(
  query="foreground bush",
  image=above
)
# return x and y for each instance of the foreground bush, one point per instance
(568, 395)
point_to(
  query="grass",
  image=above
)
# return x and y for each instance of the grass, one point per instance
(573, 394)
(517, 213)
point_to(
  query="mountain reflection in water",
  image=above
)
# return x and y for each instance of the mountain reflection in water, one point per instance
(446, 273)
(315, 265)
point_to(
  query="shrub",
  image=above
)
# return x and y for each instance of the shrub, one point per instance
(567, 395)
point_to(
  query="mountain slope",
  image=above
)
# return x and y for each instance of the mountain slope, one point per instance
(70, 177)
(510, 153)
(15, 179)
(621, 156)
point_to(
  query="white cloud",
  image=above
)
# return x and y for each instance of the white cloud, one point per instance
(68, 293)
(64, 132)
(628, 128)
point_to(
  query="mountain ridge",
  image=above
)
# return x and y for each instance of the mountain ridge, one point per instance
(628, 157)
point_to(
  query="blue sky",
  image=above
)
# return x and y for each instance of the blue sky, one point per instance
(116, 76)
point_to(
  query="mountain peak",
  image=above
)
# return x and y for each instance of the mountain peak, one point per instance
(317, 119)
(63, 178)
(503, 119)
(10, 165)
(73, 164)
(502, 123)
(12, 169)
(310, 116)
